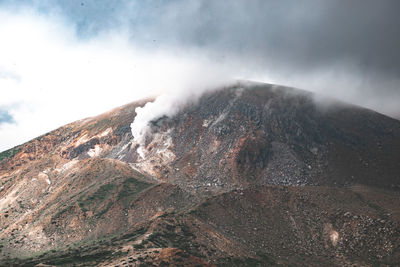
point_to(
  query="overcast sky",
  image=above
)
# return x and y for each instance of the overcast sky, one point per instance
(65, 60)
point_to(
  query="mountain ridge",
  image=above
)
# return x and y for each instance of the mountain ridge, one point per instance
(300, 185)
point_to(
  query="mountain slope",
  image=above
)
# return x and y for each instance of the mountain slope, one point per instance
(247, 136)
(250, 174)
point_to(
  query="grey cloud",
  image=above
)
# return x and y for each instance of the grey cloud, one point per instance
(294, 38)
(356, 40)
(300, 33)
(297, 33)
(5, 117)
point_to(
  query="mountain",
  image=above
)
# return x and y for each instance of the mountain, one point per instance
(247, 175)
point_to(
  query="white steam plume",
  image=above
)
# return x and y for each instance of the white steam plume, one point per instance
(194, 82)
(50, 76)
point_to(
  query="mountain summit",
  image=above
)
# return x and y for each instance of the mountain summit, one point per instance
(247, 175)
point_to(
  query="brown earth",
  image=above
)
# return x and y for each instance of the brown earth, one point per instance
(250, 175)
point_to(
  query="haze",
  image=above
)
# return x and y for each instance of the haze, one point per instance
(67, 60)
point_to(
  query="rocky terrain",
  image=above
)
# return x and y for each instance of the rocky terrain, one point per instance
(248, 175)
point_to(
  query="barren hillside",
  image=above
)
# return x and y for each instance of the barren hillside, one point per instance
(248, 175)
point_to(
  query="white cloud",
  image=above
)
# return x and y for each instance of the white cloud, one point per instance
(51, 77)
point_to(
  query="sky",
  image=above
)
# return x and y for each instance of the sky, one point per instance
(62, 61)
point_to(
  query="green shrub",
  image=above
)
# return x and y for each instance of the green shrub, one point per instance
(9, 153)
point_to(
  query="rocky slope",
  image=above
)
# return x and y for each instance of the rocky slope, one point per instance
(248, 175)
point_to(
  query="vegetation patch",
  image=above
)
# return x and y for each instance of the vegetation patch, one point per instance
(60, 212)
(9, 153)
(100, 195)
(130, 188)
(101, 124)
(261, 260)
(108, 194)
(103, 211)
(75, 257)
(134, 235)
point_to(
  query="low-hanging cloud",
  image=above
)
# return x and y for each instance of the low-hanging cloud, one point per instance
(51, 77)
(65, 60)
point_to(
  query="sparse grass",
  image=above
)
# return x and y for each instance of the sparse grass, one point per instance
(74, 256)
(101, 124)
(9, 153)
(101, 194)
(60, 212)
(103, 211)
(81, 253)
(154, 236)
(261, 260)
(135, 234)
(138, 246)
(126, 192)
(130, 188)
(82, 204)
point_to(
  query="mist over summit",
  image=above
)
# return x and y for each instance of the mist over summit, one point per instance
(346, 50)
(257, 133)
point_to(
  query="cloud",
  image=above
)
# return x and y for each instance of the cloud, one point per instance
(5, 117)
(323, 46)
(65, 60)
(54, 77)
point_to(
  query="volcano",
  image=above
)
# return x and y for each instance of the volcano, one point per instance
(247, 175)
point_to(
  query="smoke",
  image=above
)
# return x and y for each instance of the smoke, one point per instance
(49, 76)
(195, 80)
(168, 104)
(65, 60)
